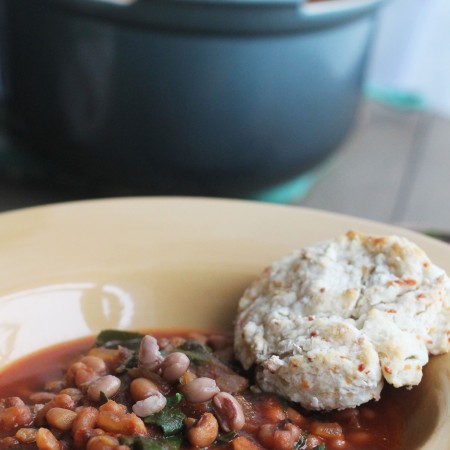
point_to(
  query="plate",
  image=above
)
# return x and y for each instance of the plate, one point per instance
(72, 269)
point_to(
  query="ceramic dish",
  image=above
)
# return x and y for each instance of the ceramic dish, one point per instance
(73, 269)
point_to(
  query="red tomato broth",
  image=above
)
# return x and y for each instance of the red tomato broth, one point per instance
(373, 426)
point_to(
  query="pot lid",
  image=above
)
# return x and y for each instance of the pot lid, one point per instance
(224, 16)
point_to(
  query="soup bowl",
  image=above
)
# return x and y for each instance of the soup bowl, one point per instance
(73, 269)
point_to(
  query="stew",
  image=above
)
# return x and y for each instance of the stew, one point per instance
(166, 391)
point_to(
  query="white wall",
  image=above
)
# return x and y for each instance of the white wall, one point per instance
(412, 52)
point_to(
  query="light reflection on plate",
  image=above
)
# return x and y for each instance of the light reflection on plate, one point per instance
(88, 306)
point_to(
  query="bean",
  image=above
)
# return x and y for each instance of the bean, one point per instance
(121, 423)
(95, 363)
(265, 434)
(327, 429)
(72, 370)
(339, 443)
(108, 384)
(150, 405)
(86, 418)
(312, 442)
(55, 386)
(228, 411)
(61, 418)
(295, 431)
(45, 440)
(174, 366)
(8, 442)
(26, 435)
(285, 438)
(141, 388)
(200, 389)
(104, 442)
(114, 407)
(75, 394)
(15, 416)
(85, 376)
(63, 401)
(83, 426)
(41, 397)
(82, 436)
(272, 410)
(204, 432)
(109, 356)
(279, 438)
(282, 440)
(14, 401)
(244, 443)
(60, 401)
(295, 417)
(150, 357)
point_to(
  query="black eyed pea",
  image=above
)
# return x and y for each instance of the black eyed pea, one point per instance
(174, 366)
(150, 357)
(228, 411)
(108, 384)
(200, 389)
(150, 405)
(204, 431)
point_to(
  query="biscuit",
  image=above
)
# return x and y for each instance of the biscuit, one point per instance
(383, 293)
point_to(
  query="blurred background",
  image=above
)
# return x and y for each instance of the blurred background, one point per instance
(342, 105)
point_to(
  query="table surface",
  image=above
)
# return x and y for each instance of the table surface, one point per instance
(394, 168)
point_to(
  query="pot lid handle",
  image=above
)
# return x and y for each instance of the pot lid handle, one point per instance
(117, 2)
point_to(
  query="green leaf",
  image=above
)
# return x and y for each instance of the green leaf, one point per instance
(103, 398)
(114, 338)
(142, 443)
(174, 400)
(196, 352)
(129, 362)
(171, 418)
(227, 437)
(320, 447)
(301, 442)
